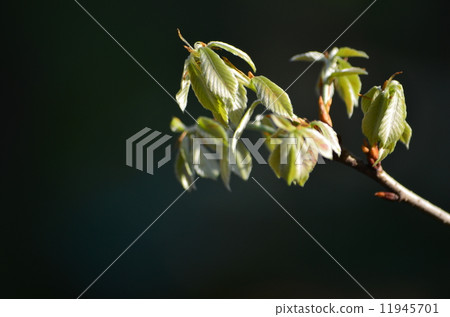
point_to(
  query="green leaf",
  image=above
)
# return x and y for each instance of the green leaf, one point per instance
(350, 52)
(264, 121)
(242, 163)
(406, 136)
(225, 169)
(219, 78)
(236, 107)
(272, 96)
(221, 115)
(206, 98)
(266, 125)
(347, 72)
(315, 139)
(329, 134)
(269, 144)
(242, 125)
(385, 151)
(348, 87)
(207, 168)
(296, 164)
(384, 121)
(182, 172)
(368, 97)
(393, 121)
(372, 118)
(275, 160)
(242, 78)
(213, 128)
(308, 57)
(284, 167)
(176, 125)
(282, 123)
(182, 94)
(183, 169)
(290, 170)
(235, 51)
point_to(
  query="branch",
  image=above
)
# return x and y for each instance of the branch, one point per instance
(397, 192)
(401, 192)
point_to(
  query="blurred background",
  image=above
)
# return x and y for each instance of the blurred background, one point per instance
(70, 205)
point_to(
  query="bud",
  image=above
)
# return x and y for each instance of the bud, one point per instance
(384, 121)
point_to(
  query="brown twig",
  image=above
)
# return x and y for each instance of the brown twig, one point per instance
(395, 190)
(402, 194)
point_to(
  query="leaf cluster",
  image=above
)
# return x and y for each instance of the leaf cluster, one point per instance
(384, 122)
(192, 161)
(337, 74)
(296, 145)
(222, 88)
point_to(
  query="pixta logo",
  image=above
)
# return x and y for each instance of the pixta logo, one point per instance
(143, 144)
(141, 150)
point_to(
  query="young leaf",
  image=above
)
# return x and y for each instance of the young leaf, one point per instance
(384, 121)
(282, 123)
(372, 118)
(206, 98)
(406, 136)
(284, 167)
(350, 52)
(219, 78)
(308, 57)
(242, 163)
(242, 125)
(368, 97)
(296, 164)
(329, 134)
(272, 96)
(275, 159)
(176, 125)
(182, 94)
(393, 121)
(225, 169)
(236, 107)
(291, 169)
(213, 128)
(385, 151)
(206, 168)
(347, 72)
(315, 139)
(235, 51)
(182, 172)
(221, 115)
(183, 169)
(348, 87)
(332, 53)
(240, 76)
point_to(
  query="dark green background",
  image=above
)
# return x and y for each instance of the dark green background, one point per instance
(70, 205)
